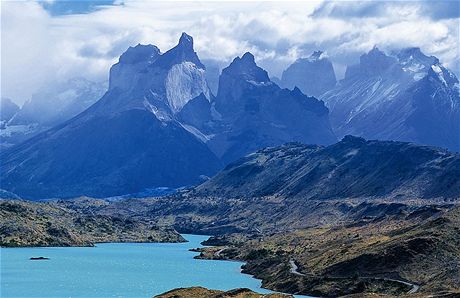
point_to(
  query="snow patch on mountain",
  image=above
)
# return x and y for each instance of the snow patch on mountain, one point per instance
(197, 133)
(159, 114)
(414, 62)
(404, 96)
(438, 71)
(11, 130)
(214, 113)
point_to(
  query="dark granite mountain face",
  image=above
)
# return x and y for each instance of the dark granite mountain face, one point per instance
(242, 74)
(406, 96)
(313, 75)
(250, 112)
(128, 141)
(255, 113)
(352, 168)
(159, 125)
(197, 113)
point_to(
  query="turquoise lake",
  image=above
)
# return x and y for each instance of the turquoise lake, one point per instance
(116, 270)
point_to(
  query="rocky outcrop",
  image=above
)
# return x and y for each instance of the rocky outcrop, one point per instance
(128, 141)
(257, 113)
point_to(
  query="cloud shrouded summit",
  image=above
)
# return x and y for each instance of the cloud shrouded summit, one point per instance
(158, 125)
(40, 46)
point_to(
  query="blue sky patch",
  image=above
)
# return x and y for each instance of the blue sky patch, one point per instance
(66, 7)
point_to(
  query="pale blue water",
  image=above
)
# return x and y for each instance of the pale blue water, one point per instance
(115, 270)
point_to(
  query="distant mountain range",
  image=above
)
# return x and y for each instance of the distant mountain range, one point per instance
(253, 112)
(292, 186)
(160, 125)
(406, 96)
(50, 106)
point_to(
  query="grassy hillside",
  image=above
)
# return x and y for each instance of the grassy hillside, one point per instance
(25, 223)
(385, 255)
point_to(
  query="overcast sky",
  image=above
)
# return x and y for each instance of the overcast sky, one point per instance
(43, 42)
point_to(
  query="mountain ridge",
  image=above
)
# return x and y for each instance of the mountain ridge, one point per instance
(124, 143)
(350, 168)
(159, 125)
(405, 96)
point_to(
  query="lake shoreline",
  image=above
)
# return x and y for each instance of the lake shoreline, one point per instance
(46, 224)
(132, 269)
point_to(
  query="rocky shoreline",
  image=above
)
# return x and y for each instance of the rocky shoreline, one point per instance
(200, 292)
(385, 248)
(403, 260)
(27, 224)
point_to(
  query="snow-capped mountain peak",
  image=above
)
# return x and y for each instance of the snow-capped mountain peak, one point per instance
(445, 76)
(167, 80)
(414, 62)
(405, 96)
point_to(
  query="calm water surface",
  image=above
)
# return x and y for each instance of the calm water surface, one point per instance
(115, 270)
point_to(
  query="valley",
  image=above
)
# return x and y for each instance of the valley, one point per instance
(406, 253)
(312, 238)
(372, 247)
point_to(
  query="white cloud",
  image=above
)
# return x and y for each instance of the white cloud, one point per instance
(38, 49)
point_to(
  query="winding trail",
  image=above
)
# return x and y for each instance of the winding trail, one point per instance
(295, 270)
(217, 253)
(414, 286)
